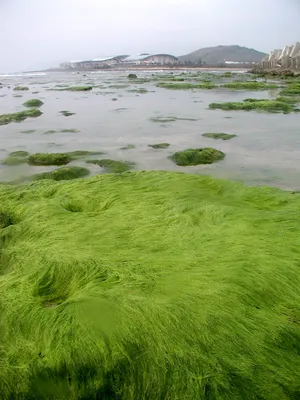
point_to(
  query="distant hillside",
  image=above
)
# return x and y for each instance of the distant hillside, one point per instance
(220, 54)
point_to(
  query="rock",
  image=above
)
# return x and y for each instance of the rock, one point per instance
(132, 76)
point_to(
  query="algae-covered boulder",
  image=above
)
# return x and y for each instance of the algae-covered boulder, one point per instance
(206, 155)
(132, 76)
(21, 88)
(223, 136)
(62, 174)
(49, 159)
(159, 145)
(33, 103)
(113, 166)
(19, 116)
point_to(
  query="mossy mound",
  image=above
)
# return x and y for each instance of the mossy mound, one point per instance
(21, 88)
(62, 174)
(16, 158)
(159, 145)
(128, 147)
(271, 106)
(83, 153)
(179, 280)
(186, 85)
(49, 159)
(33, 103)
(197, 156)
(223, 136)
(132, 76)
(19, 116)
(291, 90)
(113, 166)
(250, 86)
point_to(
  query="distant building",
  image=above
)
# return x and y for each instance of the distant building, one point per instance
(122, 60)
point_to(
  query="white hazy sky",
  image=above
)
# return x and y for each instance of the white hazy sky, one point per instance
(38, 34)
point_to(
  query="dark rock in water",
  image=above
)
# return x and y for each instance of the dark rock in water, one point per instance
(1, 87)
(114, 99)
(132, 76)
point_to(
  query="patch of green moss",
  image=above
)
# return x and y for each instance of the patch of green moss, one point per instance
(16, 158)
(249, 86)
(74, 155)
(19, 116)
(113, 166)
(21, 88)
(197, 156)
(159, 145)
(62, 174)
(66, 113)
(291, 90)
(49, 159)
(271, 106)
(33, 103)
(186, 85)
(128, 147)
(223, 136)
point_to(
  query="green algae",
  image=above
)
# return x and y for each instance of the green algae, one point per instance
(113, 166)
(19, 116)
(33, 103)
(223, 136)
(197, 156)
(159, 145)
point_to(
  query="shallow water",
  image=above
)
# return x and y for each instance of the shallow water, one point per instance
(266, 151)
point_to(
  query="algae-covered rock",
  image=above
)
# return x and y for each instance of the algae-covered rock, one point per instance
(21, 88)
(33, 103)
(159, 145)
(62, 174)
(197, 156)
(223, 136)
(128, 147)
(49, 159)
(19, 116)
(132, 76)
(113, 166)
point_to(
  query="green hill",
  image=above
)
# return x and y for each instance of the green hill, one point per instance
(220, 54)
(149, 285)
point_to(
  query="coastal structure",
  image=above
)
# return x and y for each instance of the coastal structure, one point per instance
(122, 60)
(287, 58)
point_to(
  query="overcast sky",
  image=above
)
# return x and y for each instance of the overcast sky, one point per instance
(38, 34)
